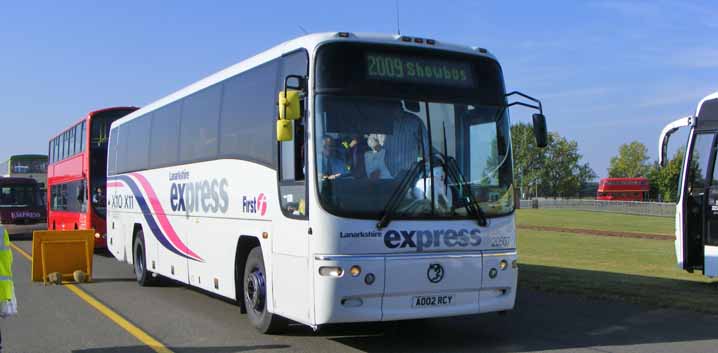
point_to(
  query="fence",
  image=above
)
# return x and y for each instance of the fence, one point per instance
(660, 209)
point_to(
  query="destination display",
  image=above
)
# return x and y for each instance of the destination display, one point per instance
(418, 70)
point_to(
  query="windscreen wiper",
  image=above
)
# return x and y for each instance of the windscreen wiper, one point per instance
(399, 194)
(470, 203)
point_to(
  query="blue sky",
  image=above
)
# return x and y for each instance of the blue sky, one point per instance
(608, 72)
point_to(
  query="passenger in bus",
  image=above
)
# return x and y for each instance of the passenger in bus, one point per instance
(98, 198)
(331, 165)
(357, 148)
(374, 162)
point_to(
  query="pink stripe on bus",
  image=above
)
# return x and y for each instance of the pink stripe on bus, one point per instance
(162, 218)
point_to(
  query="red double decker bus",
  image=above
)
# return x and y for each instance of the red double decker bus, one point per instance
(623, 189)
(77, 173)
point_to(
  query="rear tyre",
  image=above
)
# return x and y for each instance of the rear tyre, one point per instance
(255, 296)
(143, 276)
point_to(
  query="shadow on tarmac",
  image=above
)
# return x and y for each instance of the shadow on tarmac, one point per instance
(101, 280)
(540, 321)
(21, 236)
(142, 349)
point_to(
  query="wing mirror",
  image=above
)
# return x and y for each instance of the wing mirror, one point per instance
(539, 120)
(540, 130)
(289, 106)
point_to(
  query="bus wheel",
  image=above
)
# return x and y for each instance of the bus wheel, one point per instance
(144, 277)
(255, 295)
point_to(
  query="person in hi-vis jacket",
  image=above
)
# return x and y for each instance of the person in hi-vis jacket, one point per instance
(8, 302)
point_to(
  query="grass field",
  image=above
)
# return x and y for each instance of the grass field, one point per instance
(635, 270)
(595, 220)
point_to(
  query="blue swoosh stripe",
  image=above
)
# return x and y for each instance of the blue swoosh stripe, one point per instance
(148, 215)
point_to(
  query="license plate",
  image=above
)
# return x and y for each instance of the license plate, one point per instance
(425, 301)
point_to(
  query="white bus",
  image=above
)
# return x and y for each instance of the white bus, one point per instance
(697, 208)
(336, 177)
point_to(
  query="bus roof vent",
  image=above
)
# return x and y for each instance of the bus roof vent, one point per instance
(343, 34)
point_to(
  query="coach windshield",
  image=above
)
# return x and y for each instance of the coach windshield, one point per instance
(367, 147)
(430, 130)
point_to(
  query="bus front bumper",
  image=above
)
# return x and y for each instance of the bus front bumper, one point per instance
(24, 229)
(413, 286)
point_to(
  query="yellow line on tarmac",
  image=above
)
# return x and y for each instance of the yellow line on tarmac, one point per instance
(144, 337)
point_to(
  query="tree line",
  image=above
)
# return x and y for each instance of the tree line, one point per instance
(559, 170)
(554, 171)
(632, 161)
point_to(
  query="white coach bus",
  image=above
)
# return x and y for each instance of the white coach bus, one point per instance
(334, 178)
(697, 208)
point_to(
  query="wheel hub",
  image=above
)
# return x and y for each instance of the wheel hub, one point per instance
(256, 290)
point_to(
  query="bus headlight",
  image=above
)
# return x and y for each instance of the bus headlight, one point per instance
(503, 265)
(355, 271)
(331, 271)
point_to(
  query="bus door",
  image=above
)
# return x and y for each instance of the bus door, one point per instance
(292, 282)
(700, 201)
(710, 239)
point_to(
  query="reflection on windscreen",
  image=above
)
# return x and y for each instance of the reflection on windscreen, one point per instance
(367, 146)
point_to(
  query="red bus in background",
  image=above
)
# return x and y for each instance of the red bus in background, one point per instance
(623, 189)
(77, 173)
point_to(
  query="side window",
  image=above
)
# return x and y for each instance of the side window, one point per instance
(62, 146)
(82, 136)
(75, 200)
(49, 151)
(78, 138)
(200, 118)
(62, 199)
(248, 115)
(698, 172)
(67, 144)
(292, 187)
(55, 154)
(121, 149)
(53, 197)
(71, 144)
(165, 130)
(112, 153)
(138, 141)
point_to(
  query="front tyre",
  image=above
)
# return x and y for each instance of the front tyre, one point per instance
(143, 276)
(255, 295)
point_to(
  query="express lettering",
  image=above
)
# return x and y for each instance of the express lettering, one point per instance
(424, 239)
(209, 196)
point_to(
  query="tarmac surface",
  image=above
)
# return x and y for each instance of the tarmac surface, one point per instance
(55, 319)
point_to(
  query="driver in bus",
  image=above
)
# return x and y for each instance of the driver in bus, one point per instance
(331, 165)
(98, 198)
(374, 158)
